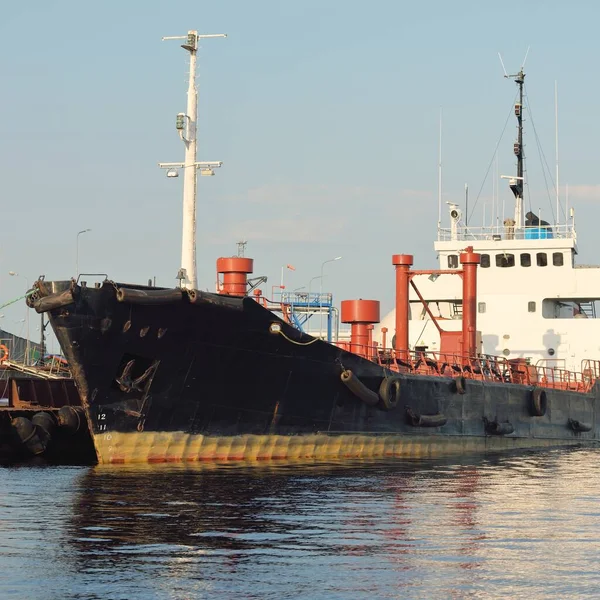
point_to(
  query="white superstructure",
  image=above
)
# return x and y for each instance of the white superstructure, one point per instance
(533, 300)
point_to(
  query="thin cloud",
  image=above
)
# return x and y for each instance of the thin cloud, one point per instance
(282, 230)
(319, 212)
(583, 192)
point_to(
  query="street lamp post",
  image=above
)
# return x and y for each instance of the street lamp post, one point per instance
(321, 301)
(15, 274)
(310, 284)
(309, 289)
(77, 251)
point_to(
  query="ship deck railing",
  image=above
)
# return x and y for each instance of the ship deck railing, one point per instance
(482, 367)
(502, 232)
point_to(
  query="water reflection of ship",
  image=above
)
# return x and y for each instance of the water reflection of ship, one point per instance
(219, 508)
(209, 524)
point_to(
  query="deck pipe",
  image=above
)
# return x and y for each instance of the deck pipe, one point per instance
(403, 263)
(384, 331)
(360, 314)
(469, 261)
(235, 271)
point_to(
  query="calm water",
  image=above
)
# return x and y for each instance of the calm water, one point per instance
(523, 526)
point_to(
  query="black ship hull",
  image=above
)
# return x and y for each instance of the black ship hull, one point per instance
(168, 375)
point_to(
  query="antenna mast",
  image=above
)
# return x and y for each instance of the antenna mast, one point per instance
(516, 183)
(556, 144)
(186, 126)
(440, 177)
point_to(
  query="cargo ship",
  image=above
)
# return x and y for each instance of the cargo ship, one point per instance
(187, 375)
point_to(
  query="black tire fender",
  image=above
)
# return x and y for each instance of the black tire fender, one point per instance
(359, 389)
(390, 390)
(460, 384)
(538, 402)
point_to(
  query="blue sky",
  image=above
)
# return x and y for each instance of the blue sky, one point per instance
(325, 114)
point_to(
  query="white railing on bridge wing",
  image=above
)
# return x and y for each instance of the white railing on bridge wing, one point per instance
(502, 232)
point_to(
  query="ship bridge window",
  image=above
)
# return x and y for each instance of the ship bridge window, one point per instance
(485, 261)
(542, 259)
(526, 260)
(453, 261)
(571, 308)
(505, 260)
(557, 259)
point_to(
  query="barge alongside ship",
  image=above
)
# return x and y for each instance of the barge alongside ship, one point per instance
(41, 416)
(185, 375)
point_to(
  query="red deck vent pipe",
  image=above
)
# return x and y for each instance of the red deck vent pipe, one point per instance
(469, 261)
(360, 314)
(403, 263)
(235, 271)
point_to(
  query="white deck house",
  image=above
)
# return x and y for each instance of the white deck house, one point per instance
(534, 301)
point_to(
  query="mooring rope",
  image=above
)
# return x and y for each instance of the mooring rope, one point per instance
(298, 343)
(29, 293)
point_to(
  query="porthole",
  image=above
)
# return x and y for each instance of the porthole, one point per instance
(505, 260)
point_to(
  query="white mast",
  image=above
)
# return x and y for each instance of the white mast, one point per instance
(187, 126)
(556, 142)
(440, 177)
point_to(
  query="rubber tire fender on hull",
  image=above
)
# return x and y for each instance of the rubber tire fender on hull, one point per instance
(418, 420)
(460, 384)
(539, 402)
(390, 391)
(358, 388)
(579, 426)
(497, 428)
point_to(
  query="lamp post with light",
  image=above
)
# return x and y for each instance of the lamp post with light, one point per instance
(321, 301)
(310, 285)
(15, 274)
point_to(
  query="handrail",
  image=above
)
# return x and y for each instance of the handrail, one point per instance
(500, 232)
(483, 367)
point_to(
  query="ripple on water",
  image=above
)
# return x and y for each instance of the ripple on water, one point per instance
(504, 526)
